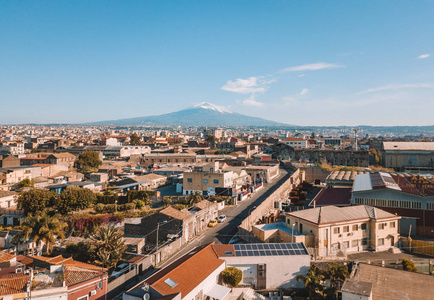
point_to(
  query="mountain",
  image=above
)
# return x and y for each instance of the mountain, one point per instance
(203, 114)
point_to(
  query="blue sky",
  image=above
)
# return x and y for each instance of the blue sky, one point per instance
(297, 62)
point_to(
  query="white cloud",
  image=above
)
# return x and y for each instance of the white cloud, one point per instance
(251, 101)
(304, 92)
(312, 67)
(250, 85)
(393, 87)
(301, 75)
(423, 56)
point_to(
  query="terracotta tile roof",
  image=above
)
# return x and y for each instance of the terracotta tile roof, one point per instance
(7, 193)
(174, 213)
(74, 275)
(13, 284)
(24, 260)
(193, 268)
(291, 138)
(222, 249)
(60, 260)
(4, 256)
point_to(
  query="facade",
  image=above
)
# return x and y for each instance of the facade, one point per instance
(404, 194)
(346, 229)
(408, 155)
(168, 158)
(205, 182)
(295, 142)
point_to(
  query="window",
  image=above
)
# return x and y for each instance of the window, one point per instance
(170, 282)
(216, 181)
(190, 180)
(346, 228)
(288, 221)
(205, 181)
(354, 243)
(380, 242)
(83, 298)
(364, 241)
(381, 226)
(355, 227)
(364, 226)
(392, 225)
(336, 230)
(346, 245)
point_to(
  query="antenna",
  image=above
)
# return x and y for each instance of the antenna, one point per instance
(355, 137)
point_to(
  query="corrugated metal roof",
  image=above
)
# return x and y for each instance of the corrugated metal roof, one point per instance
(426, 146)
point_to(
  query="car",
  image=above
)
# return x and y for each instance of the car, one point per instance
(222, 218)
(119, 270)
(212, 223)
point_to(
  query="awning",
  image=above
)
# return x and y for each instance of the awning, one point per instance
(218, 291)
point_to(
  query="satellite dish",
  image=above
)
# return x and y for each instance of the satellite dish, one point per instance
(146, 296)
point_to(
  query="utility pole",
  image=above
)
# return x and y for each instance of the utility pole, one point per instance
(156, 251)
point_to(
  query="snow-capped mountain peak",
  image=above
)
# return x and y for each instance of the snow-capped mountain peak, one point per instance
(211, 106)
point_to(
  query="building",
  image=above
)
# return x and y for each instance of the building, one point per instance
(374, 282)
(8, 161)
(295, 142)
(405, 194)
(158, 159)
(206, 178)
(333, 230)
(408, 156)
(267, 266)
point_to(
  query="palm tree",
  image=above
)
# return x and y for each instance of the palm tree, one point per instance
(312, 281)
(41, 228)
(107, 245)
(337, 274)
(194, 198)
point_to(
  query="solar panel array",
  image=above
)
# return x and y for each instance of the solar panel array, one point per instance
(270, 249)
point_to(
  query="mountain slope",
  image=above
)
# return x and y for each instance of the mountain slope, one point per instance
(203, 114)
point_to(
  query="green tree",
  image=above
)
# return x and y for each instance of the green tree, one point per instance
(167, 201)
(80, 251)
(337, 274)
(408, 265)
(139, 203)
(107, 245)
(74, 198)
(232, 276)
(26, 182)
(35, 200)
(42, 228)
(135, 140)
(194, 198)
(88, 161)
(313, 282)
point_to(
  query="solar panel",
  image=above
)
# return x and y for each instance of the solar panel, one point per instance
(280, 252)
(260, 247)
(255, 247)
(262, 253)
(273, 252)
(256, 253)
(270, 249)
(237, 253)
(272, 246)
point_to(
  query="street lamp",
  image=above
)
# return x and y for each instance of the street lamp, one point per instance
(293, 226)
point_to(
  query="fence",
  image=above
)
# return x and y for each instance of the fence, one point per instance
(417, 246)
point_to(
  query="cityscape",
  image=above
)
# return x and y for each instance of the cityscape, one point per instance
(216, 150)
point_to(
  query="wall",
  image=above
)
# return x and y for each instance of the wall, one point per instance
(267, 206)
(280, 271)
(313, 173)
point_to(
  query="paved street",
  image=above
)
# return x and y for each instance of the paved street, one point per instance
(223, 232)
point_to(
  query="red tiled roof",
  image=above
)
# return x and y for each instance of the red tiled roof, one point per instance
(193, 268)
(74, 275)
(13, 284)
(332, 196)
(4, 256)
(221, 249)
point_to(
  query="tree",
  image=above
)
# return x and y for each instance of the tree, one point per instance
(35, 200)
(232, 276)
(211, 138)
(80, 251)
(337, 274)
(26, 182)
(42, 228)
(167, 201)
(107, 245)
(312, 281)
(88, 161)
(139, 203)
(135, 140)
(75, 198)
(194, 198)
(408, 265)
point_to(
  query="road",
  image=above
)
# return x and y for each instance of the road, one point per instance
(223, 232)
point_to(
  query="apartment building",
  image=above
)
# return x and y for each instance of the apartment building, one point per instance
(332, 229)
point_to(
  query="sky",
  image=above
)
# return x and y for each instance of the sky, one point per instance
(297, 62)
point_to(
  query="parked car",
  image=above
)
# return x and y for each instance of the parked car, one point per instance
(222, 218)
(119, 270)
(212, 223)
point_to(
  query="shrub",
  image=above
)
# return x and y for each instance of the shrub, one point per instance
(99, 208)
(232, 276)
(110, 208)
(408, 265)
(139, 203)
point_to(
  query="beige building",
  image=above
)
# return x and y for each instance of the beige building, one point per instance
(345, 229)
(205, 182)
(408, 155)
